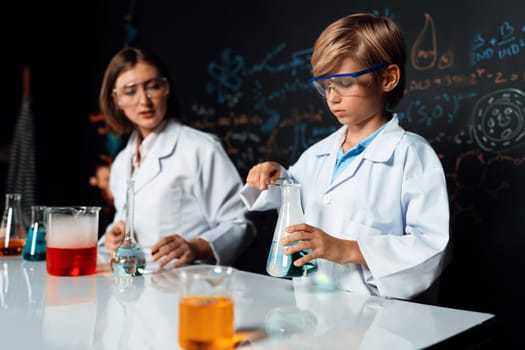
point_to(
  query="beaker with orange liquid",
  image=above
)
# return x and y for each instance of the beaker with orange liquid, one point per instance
(206, 307)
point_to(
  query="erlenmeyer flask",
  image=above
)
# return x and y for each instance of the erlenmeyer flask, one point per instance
(12, 230)
(291, 212)
(129, 259)
(35, 246)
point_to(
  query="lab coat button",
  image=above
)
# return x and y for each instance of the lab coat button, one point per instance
(327, 199)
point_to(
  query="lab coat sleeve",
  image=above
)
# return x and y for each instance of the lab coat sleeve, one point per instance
(219, 186)
(403, 266)
(258, 200)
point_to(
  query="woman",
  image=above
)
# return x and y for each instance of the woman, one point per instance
(374, 195)
(187, 204)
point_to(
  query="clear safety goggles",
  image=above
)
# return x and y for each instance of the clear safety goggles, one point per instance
(344, 84)
(129, 94)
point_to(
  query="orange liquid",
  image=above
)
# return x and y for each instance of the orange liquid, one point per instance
(206, 323)
(71, 261)
(14, 247)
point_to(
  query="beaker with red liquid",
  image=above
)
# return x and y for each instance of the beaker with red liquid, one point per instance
(72, 234)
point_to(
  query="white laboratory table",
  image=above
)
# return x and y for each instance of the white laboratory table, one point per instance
(39, 311)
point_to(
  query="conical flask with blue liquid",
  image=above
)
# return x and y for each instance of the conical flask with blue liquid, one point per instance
(290, 213)
(35, 245)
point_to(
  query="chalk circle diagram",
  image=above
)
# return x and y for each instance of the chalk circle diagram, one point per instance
(499, 120)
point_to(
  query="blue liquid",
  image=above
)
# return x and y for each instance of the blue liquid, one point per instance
(128, 261)
(35, 247)
(280, 265)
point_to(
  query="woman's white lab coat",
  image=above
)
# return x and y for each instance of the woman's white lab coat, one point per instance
(187, 185)
(392, 199)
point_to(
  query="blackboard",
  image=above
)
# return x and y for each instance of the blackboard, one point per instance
(241, 69)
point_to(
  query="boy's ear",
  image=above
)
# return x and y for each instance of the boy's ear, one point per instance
(391, 77)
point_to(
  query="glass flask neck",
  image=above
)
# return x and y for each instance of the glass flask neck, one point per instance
(291, 199)
(37, 214)
(130, 212)
(12, 200)
(128, 241)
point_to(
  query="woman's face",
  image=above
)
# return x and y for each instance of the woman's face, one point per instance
(142, 94)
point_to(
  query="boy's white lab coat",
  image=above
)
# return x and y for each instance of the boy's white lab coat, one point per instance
(392, 199)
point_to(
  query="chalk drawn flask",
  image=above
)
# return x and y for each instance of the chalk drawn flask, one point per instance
(290, 213)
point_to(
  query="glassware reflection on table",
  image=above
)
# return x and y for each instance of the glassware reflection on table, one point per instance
(12, 229)
(72, 234)
(35, 245)
(129, 259)
(166, 280)
(289, 320)
(206, 307)
(12, 289)
(127, 295)
(35, 279)
(70, 312)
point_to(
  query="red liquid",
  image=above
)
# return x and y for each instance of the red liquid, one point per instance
(72, 261)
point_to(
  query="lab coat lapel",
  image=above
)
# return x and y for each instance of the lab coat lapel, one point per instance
(326, 172)
(348, 172)
(164, 147)
(329, 150)
(380, 150)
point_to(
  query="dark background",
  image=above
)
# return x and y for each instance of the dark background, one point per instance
(241, 71)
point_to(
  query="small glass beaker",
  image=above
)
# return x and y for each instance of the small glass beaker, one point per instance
(35, 246)
(206, 307)
(12, 230)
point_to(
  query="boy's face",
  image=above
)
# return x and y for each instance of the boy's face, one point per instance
(365, 100)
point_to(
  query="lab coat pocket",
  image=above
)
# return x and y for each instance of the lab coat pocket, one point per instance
(170, 209)
(356, 231)
(358, 277)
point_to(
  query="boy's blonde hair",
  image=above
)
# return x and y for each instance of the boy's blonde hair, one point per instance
(366, 39)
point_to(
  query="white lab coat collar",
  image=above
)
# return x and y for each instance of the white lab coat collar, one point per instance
(163, 146)
(380, 150)
(142, 147)
(383, 146)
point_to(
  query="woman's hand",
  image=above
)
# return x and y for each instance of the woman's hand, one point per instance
(175, 247)
(322, 245)
(263, 174)
(114, 237)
